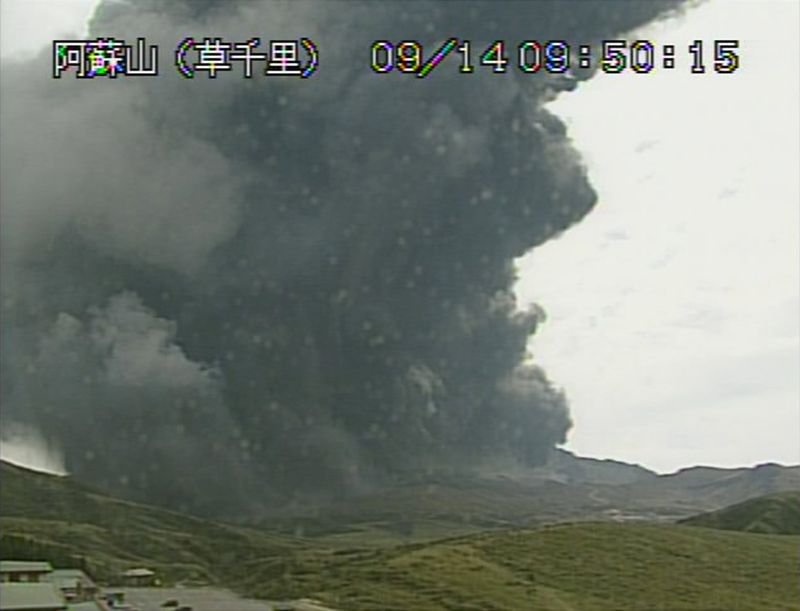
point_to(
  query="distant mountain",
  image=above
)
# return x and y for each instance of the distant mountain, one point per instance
(568, 468)
(771, 514)
(395, 550)
(569, 487)
(761, 479)
(425, 506)
(699, 489)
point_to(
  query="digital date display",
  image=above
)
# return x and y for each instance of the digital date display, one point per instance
(557, 56)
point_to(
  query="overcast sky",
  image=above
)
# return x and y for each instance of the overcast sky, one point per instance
(674, 330)
(673, 307)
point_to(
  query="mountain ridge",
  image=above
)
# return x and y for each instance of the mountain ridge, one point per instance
(491, 563)
(777, 513)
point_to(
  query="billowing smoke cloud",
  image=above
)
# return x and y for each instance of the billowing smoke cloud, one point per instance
(221, 292)
(25, 446)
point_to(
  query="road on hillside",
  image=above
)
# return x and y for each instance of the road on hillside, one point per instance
(206, 599)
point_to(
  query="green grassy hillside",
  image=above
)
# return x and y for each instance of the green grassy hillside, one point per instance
(569, 567)
(771, 514)
(114, 535)
(448, 504)
(588, 566)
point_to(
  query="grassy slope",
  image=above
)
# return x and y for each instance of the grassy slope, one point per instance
(115, 534)
(450, 505)
(586, 567)
(771, 514)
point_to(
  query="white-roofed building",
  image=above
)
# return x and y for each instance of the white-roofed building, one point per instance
(31, 597)
(74, 584)
(23, 571)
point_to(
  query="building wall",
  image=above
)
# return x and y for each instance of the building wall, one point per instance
(21, 577)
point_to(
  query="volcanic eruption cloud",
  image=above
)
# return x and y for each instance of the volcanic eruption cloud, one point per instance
(226, 293)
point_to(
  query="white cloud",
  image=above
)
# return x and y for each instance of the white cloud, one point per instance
(29, 25)
(673, 307)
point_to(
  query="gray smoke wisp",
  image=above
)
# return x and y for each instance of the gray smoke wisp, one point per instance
(220, 294)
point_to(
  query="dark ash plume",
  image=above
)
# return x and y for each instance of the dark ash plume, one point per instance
(222, 292)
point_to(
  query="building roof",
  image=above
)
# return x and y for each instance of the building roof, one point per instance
(138, 573)
(23, 566)
(88, 605)
(69, 573)
(63, 582)
(69, 578)
(30, 597)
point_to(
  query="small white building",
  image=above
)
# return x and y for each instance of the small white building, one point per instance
(23, 571)
(33, 596)
(139, 577)
(74, 584)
